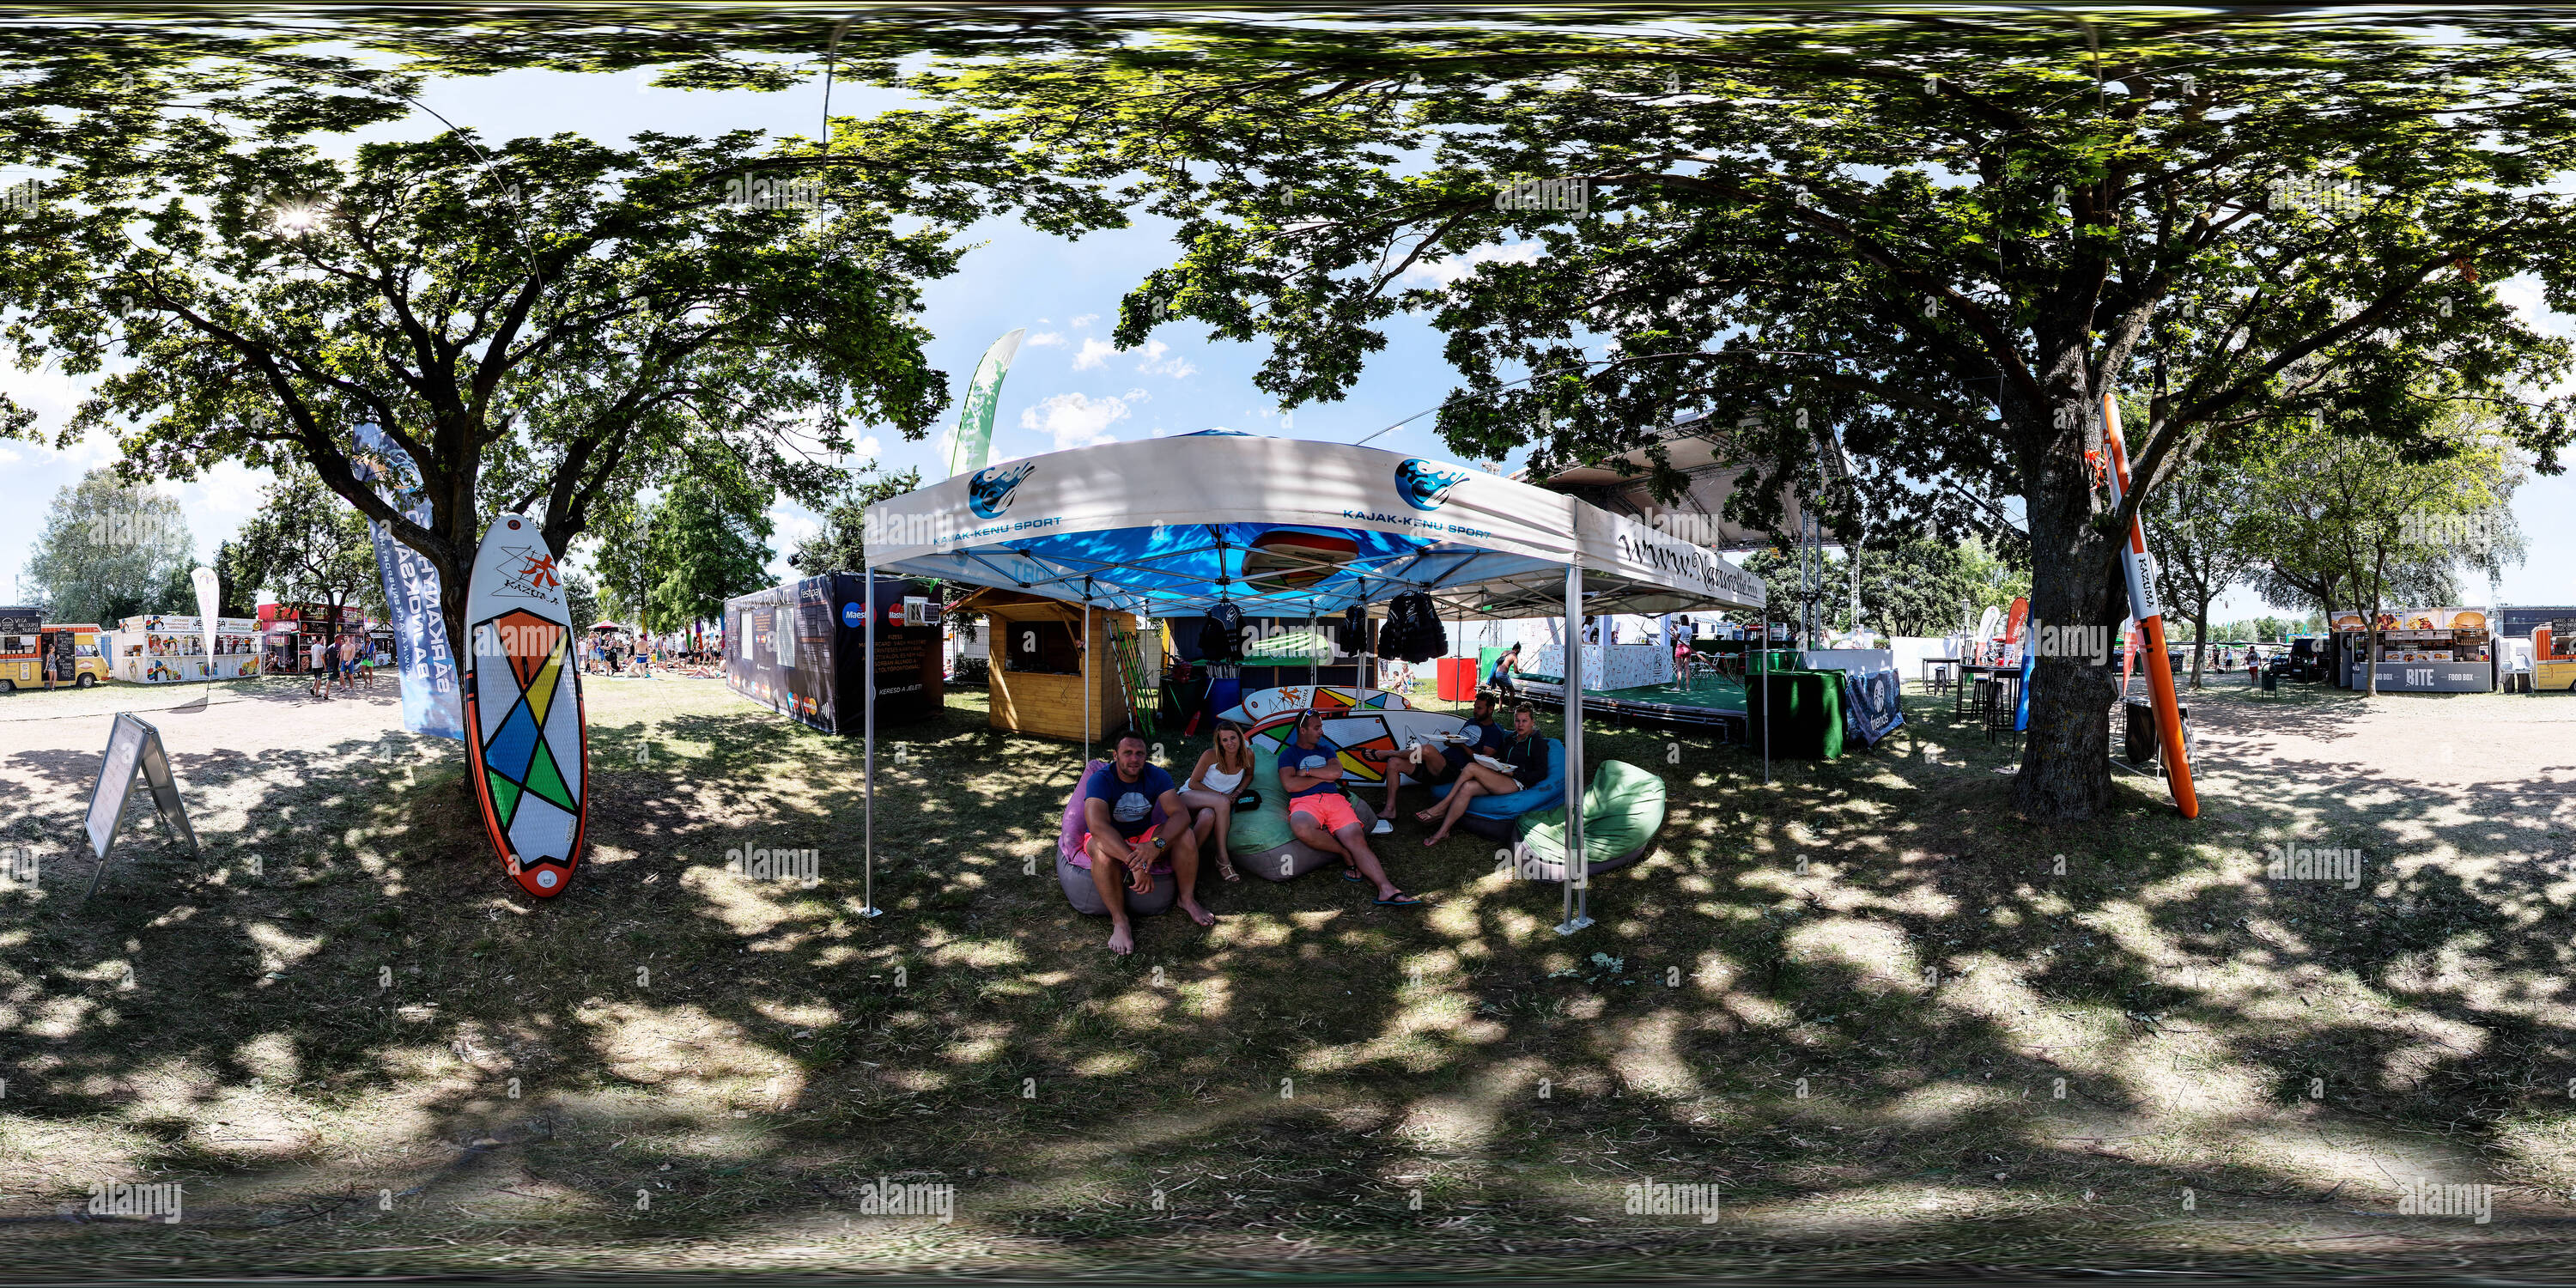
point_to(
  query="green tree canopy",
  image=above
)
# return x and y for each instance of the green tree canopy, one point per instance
(310, 546)
(1946, 241)
(111, 550)
(702, 543)
(539, 326)
(2376, 527)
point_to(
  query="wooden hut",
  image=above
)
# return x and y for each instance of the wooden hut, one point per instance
(1042, 662)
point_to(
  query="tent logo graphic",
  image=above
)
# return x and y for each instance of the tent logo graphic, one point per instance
(1424, 486)
(990, 491)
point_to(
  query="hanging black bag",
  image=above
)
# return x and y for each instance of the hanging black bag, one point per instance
(1221, 635)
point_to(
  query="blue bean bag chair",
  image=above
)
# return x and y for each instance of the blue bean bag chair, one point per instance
(1494, 816)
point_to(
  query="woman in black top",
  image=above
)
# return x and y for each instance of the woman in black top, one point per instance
(1525, 753)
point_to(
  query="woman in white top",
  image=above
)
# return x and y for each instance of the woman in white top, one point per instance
(1219, 778)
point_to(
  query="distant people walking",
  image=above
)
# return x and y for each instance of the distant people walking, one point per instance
(1499, 679)
(318, 662)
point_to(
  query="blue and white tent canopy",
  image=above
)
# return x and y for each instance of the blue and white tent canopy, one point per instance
(1285, 528)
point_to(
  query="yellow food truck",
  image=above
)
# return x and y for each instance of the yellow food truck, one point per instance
(32, 652)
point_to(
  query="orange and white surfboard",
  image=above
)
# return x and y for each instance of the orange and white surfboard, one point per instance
(525, 735)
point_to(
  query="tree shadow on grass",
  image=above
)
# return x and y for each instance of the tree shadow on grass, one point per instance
(1837, 998)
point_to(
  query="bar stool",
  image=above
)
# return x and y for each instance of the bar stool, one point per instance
(1999, 703)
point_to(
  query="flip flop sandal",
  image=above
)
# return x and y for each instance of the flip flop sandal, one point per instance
(1350, 873)
(1401, 900)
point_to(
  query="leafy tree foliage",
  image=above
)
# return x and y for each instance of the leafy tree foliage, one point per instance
(2375, 528)
(840, 545)
(1947, 242)
(311, 546)
(581, 599)
(109, 551)
(540, 326)
(2194, 530)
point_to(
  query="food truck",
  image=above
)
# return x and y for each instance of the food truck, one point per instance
(32, 652)
(2421, 650)
(288, 632)
(163, 649)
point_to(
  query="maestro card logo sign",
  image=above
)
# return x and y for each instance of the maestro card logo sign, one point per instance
(989, 493)
(1425, 486)
(853, 616)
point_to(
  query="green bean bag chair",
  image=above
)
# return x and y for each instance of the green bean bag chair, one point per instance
(1261, 840)
(1623, 809)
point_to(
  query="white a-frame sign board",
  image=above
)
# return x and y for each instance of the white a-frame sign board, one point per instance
(135, 762)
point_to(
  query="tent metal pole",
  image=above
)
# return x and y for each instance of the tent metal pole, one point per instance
(1085, 665)
(1765, 645)
(1310, 657)
(868, 667)
(1578, 866)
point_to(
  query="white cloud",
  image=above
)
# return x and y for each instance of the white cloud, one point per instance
(791, 526)
(1177, 368)
(1043, 340)
(1085, 320)
(868, 448)
(1094, 353)
(230, 488)
(1077, 420)
(1447, 271)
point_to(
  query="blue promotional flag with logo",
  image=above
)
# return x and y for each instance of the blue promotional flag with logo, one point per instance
(421, 656)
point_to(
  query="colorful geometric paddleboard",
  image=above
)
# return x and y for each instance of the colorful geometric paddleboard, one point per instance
(524, 728)
(1354, 720)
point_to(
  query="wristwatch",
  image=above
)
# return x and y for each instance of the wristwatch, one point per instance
(1159, 843)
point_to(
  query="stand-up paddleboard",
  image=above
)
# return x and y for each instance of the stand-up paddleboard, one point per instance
(1354, 720)
(524, 728)
(2151, 626)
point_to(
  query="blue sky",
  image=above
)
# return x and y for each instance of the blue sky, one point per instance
(1067, 388)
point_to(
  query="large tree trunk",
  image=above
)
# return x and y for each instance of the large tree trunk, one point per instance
(2066, 757)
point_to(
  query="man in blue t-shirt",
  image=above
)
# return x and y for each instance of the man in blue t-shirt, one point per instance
(1134, 820)
(1310, 771)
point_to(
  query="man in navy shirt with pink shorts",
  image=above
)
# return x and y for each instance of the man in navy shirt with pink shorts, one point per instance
(1310, 771)
(1134, 814)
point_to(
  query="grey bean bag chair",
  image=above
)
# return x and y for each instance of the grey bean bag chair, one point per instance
(1076, 879)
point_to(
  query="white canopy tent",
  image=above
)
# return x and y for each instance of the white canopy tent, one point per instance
(1284, 527)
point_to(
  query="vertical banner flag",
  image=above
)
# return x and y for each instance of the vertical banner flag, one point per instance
(207, 603)
(975, 411)
(421, 655)
(2141, 574)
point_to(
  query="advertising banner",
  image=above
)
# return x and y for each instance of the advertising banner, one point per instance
(800, 649)
(421, 655)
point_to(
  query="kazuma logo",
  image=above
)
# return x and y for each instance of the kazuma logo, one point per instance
(990, 491)
(1423, 486)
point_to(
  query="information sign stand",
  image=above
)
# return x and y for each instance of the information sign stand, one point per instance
(135, 763)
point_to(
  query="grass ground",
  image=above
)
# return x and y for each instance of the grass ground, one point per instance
(1864, 1002)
